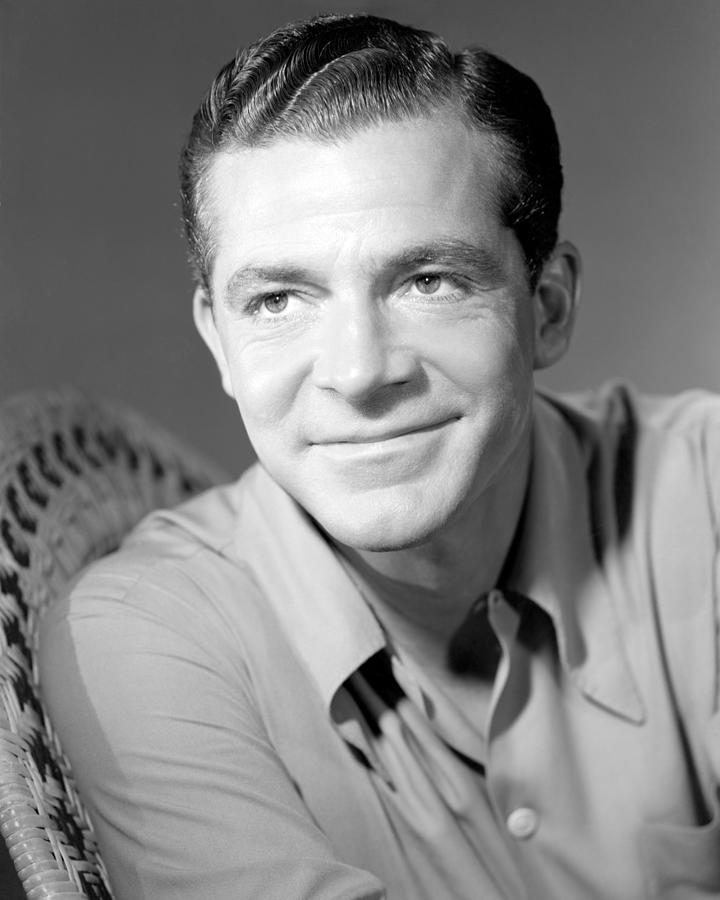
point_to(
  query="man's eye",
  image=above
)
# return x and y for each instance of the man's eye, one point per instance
(428, 284)
(275, 303)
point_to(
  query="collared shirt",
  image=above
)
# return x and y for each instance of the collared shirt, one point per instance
(240, 726)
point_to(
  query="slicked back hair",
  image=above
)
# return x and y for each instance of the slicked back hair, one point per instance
(329, 77)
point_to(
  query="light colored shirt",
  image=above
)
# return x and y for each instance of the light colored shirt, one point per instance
(241, 728)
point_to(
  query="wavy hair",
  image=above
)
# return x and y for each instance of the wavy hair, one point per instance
(329, 77)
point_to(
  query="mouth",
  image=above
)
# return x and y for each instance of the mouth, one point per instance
(405, 431)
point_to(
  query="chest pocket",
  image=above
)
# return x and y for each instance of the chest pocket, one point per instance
(682, 862)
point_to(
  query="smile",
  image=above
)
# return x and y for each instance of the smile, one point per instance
(387, 443)
(388, 435)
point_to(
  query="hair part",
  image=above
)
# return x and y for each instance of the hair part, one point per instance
(329, 77)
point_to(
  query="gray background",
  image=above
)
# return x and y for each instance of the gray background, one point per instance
(96, 96)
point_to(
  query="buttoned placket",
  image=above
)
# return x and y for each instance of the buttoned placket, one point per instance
(521, 819)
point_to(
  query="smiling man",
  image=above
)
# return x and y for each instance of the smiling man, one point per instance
(449, 638)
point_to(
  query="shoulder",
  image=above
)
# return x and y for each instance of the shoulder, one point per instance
(654, 460)
(176, 581)
(617, 406)
(622, 430)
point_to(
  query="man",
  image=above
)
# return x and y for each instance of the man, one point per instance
(449, 639)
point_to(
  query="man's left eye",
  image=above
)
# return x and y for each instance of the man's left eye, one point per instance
(428, 284)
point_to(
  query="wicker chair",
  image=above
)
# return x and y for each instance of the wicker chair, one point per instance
(75, 476)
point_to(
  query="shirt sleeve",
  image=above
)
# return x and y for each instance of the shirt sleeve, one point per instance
(155, 711)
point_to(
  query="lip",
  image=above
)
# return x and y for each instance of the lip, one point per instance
(391, 434)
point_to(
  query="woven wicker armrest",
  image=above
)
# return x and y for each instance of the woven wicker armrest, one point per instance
(75, 476)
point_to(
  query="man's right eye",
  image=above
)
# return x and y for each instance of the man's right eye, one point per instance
(274, 303)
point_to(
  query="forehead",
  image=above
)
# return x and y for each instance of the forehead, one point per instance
(416, 180)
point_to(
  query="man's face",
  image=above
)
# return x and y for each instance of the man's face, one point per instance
(372, 319)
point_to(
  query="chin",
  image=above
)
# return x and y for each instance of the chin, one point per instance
(380, 527)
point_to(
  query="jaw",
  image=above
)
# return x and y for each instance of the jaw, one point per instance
(449, 500)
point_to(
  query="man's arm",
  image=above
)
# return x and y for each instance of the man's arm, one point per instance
(187, 794)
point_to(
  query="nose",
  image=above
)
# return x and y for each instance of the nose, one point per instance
(360, 351)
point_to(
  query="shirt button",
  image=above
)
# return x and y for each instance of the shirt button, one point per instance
(522, 823)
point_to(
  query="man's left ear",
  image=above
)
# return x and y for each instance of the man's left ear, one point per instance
(556, 300)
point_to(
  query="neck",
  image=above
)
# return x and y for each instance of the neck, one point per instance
(423, 593)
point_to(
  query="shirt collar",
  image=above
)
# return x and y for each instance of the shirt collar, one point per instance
(553, 563)
(329, 623)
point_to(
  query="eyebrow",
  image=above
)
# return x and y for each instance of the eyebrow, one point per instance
(481, 262)
(252, 276)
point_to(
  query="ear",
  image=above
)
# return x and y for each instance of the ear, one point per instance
(556, 300)
(204, 318)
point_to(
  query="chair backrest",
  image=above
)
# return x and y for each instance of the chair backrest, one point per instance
(75, 476)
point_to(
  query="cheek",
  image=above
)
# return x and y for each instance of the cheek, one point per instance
(494, 358)
(265, 383)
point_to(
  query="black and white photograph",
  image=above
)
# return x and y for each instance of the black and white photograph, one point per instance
(359, 450)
